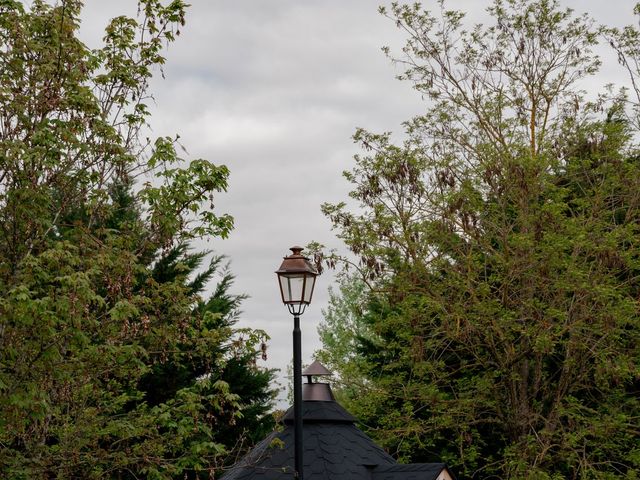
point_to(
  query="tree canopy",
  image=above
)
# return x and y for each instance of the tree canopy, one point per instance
(113, 362)
(498, 328)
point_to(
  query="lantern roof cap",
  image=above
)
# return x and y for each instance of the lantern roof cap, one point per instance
(296, 263)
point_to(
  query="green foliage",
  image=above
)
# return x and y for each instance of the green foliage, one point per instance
(111, 364)
(341, 333)
(214, 350)
(499, 329)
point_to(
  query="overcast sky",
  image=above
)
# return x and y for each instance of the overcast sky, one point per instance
(274, 89)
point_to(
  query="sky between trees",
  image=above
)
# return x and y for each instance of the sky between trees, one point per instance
(275, 90)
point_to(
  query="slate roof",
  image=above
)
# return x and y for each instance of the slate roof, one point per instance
(326, 412)
(334, 448)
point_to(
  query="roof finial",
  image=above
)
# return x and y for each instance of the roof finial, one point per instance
(296, 250)
(316, 369)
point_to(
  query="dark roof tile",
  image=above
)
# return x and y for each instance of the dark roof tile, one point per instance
(324, 412)
(334, 449)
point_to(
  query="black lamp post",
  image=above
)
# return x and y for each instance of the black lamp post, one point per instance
(297, 278)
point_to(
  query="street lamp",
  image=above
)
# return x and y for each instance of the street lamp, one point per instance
(297, 277)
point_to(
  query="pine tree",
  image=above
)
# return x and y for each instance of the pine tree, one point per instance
(232, 362)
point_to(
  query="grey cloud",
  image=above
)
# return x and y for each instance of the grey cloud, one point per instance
(275, 89)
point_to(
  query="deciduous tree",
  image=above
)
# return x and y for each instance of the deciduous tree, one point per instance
(500, 246)
(90, 212)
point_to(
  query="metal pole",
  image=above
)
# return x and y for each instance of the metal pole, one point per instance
(297, 396)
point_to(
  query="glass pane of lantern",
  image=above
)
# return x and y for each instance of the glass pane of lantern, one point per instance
(284, 286)
(308, 291)
(292, 287)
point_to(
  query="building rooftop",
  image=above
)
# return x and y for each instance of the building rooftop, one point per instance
(334, 448)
